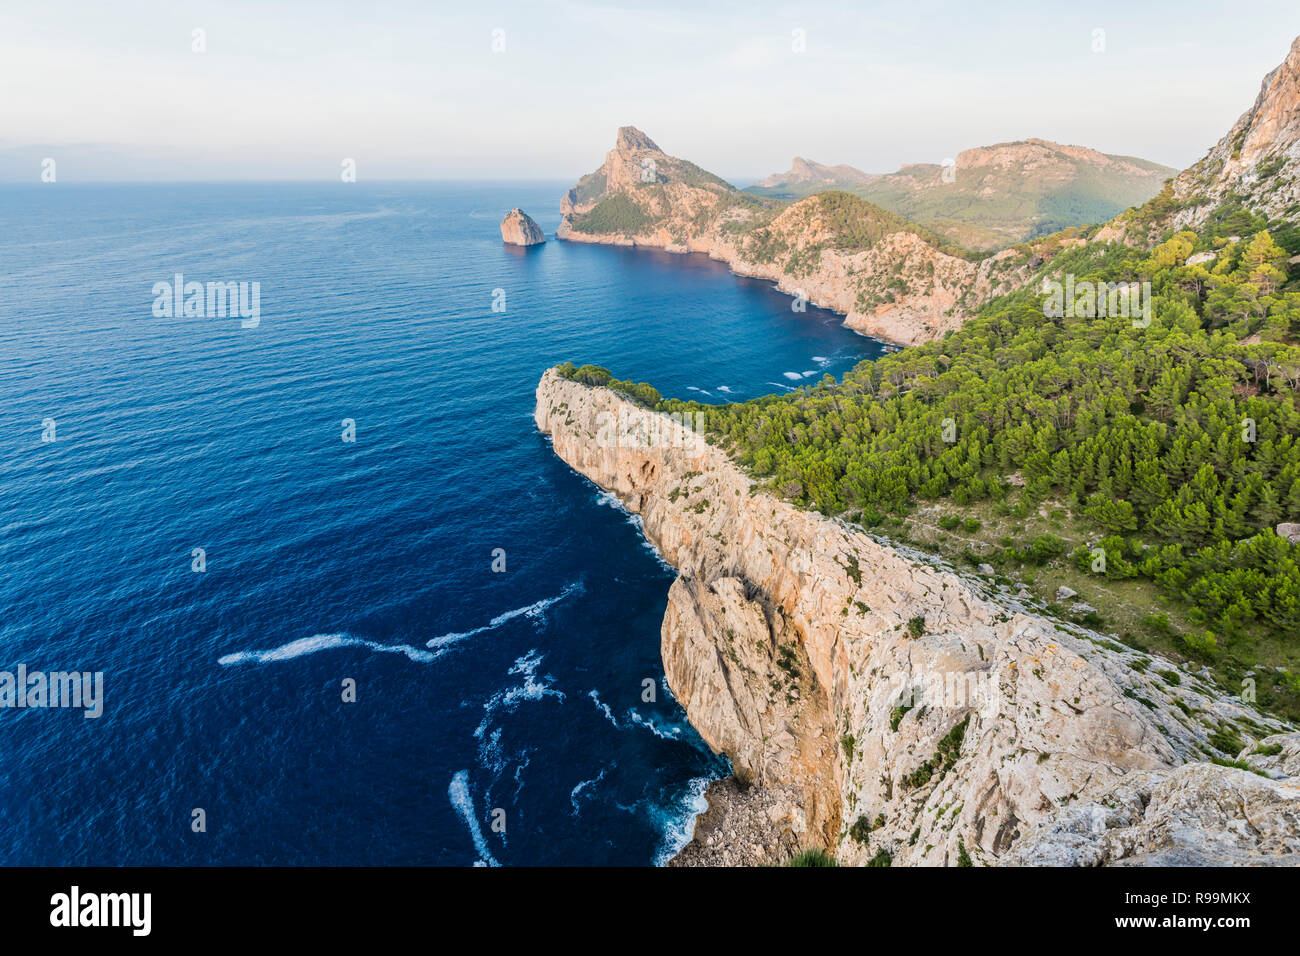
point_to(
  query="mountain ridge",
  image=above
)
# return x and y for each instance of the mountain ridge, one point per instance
(891, 278)
(992, 196)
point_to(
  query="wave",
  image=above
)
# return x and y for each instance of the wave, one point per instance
(611, 500)
(603, 707)
(671, 732)
(793, 376)
(531, 610)
(577, 791)
(680, 826)
(458, 793)
(323, 642)
(531, 689)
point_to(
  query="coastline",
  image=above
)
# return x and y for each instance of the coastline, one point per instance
(788, 635)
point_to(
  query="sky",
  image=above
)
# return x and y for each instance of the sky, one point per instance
(284, 89)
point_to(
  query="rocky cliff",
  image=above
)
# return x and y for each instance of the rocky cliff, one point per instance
(893, 711)
(1258, 160)
(892, 279)
(519, 229)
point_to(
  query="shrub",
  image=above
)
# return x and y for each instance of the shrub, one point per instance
(813, 856)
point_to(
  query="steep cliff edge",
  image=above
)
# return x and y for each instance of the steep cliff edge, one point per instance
(893, 711)
(1258, 161)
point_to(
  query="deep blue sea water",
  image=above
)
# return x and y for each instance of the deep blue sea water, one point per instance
(329, 560)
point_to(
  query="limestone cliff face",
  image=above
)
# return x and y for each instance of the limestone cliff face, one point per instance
(1258, 159)
(875, 703)
(519, 229)
(888, 278)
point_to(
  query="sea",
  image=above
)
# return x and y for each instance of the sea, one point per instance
(346, 605)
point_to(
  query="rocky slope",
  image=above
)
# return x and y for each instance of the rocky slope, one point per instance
(992, 196)
(1258, 160)
(887, 708)
(891, 279)
(519, 229)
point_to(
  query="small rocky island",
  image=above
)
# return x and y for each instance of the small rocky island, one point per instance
(519, 229)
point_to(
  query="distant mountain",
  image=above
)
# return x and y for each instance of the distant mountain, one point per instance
(994, 196)
(892, 278)
(806, 176)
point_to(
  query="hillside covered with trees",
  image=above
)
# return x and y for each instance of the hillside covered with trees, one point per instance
(1152, 463)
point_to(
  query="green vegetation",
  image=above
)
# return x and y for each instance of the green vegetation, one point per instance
(943, 759)
(1239, 764)
(882, 858)
(642, 393)
(897, 714)
(617, 214)
(1020, 204)
(963, 858)
(1169, 450)
(813, 856)
(1227, 740)
(847, 742)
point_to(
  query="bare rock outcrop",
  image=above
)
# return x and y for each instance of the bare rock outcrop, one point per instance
(1198, 814)
(519, 229)
(879, 704)
(1259, 158)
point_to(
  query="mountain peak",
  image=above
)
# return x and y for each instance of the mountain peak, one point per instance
(804, 170)
(1259, 158)
(630, 138)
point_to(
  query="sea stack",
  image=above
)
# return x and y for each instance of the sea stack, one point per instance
(519, 229)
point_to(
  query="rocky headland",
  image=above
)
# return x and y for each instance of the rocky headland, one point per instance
(880, 705)
(890, 278)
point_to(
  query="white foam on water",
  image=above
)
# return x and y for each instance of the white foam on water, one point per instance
(603, 707)
(821, 360)
(533, 610)
(577, 791)
(788, 388)
(532, 688)
(681, 826)
(322, 642)
(673, 732)
(723, 388)
(611, 500)
(793, 376)
(458, 793)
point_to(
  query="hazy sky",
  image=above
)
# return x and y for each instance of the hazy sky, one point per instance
(288, 89)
